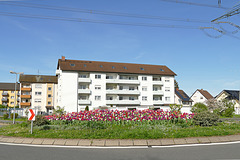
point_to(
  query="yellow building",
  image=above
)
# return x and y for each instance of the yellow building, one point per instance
(7, 94)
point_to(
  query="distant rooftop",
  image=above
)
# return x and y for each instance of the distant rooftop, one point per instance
(9, 86)
(38, 79)
(182, 95)
(232, 94)
(205, 93)
(113, 67)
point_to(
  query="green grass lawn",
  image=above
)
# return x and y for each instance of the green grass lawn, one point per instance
(128, 131)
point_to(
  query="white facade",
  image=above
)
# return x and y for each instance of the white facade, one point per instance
(76, 90)
(197, 97)
(186, 106)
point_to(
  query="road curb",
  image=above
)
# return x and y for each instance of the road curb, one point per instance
(120, 142)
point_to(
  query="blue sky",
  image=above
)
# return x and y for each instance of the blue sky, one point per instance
(30, 45)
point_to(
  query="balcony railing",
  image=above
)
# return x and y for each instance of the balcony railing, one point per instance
(25, 103)
(26, 89)
(127, 92)
(26, 96)
(122, 81)
(84, 102)
(4, 99)
(158, 92)
(5, 94)
(123, 102)
(86, 80)
(157, 83)
(84, 91)
(158, 102)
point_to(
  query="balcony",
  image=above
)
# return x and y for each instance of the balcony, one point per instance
(127, 92)
(24, 89)
(4, 99)
(123, 102)
(26, 96)
(85, 80)
(158, 102)
(25, 103)
(84, 102)
(5, 94)
(84, 91)
(158, 92)
(157, 83)
(122, 81)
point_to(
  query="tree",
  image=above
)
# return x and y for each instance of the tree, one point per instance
(199, 107)
(223, 108)
(59, 110)
(176, 84)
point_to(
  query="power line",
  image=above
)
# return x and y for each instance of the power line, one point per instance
(235, 10)
(195, 4)
(48, 7)
(94, 21)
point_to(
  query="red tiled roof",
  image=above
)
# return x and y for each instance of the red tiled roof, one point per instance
(113, 67)
(205, 93)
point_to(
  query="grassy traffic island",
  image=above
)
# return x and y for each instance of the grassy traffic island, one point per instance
(105, 124)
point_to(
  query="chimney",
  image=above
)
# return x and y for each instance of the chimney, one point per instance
(63, 58)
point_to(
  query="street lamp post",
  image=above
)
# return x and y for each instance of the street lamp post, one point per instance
(15, 93)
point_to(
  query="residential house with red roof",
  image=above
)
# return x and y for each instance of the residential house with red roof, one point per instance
(201, 96)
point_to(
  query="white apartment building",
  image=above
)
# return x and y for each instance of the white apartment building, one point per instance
(118, 85)
(38, 91)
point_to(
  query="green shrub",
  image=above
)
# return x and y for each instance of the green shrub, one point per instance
(199, 107)
(46, 128)
(5, 116)
(24, 124)
(205, 118)
(86, 108)
(41, 120)
(16, 115)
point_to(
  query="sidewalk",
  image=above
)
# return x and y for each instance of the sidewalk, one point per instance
(119, 143)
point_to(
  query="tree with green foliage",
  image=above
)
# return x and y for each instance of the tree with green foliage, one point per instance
(223, 108)
(58, 110)
(86, 108)
(199, 107)
(175, 107)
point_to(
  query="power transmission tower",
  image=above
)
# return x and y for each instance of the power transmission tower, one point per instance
(232, 12)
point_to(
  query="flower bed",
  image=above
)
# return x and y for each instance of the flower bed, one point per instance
(124, 115)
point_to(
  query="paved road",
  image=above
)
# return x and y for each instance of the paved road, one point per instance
(213, 152)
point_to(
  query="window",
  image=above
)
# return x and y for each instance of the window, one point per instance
(11, 102)
(37, 100)
(97, 87)
(101, 66)
(82, 76)
(98, 98)
(49, 96)
(124, 67)
(131, 98)
(113, 67)
(12, 97)
(144, 98)
(144, 78)
(38, 86)
(167, 99)
(12, 91)
(155, 88)
(109, 97)
(120, 87)
(38, 93)
(167, 80)
(201, 97)
(109, 77)
(82, 87)
(82, 97)
(85, 65)
(49, 88)
(97, 76)
(49, 103)
(109, 87)
(162, 70)
(121, 98)
(131, 88)
(72, 65)
(144, 88)
(167, 89)
(142, 69)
